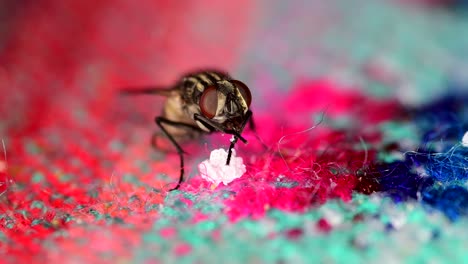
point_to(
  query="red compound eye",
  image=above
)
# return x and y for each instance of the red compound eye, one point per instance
(209, 102)
(244, 90)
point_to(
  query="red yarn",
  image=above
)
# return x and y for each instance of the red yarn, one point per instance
(324, 226)
(306, 163)
(326, 95)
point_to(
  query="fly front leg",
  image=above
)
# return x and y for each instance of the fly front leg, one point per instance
(236, 134)
(213, 126)
(162, 120)
(253, 127)
(248, 118)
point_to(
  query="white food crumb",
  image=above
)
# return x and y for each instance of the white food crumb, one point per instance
(216, 171)
(465, 140)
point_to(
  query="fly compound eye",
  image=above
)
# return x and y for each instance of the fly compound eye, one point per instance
(209, 102)
(244, 90)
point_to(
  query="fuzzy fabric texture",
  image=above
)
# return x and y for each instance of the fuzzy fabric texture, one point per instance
(359, 153)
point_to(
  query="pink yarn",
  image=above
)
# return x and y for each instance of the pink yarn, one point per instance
(305, 163)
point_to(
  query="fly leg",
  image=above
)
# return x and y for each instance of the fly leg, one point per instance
(253, 127)
(162, 120)
(248, 117)
(236, 134)
(250, 120)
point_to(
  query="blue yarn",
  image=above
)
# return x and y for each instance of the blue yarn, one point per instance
(443, 120)
(436, 172)
(449, 167)
(400, 182)
(452, 200)
(443, 124)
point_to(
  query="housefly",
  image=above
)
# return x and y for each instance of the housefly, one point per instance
(199, 103)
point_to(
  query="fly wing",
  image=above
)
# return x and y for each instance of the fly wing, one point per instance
(149, 90)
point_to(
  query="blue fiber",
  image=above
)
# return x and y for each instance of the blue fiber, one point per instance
(437, 172)
(444, 119)
(399, 180)
(449, 166)
(451, 200)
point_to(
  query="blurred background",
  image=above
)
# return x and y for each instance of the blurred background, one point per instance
(66, 132)
(85, 51)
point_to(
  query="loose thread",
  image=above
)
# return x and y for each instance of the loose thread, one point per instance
(297, 133)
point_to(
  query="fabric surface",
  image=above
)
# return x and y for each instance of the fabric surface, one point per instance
(360, 110)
